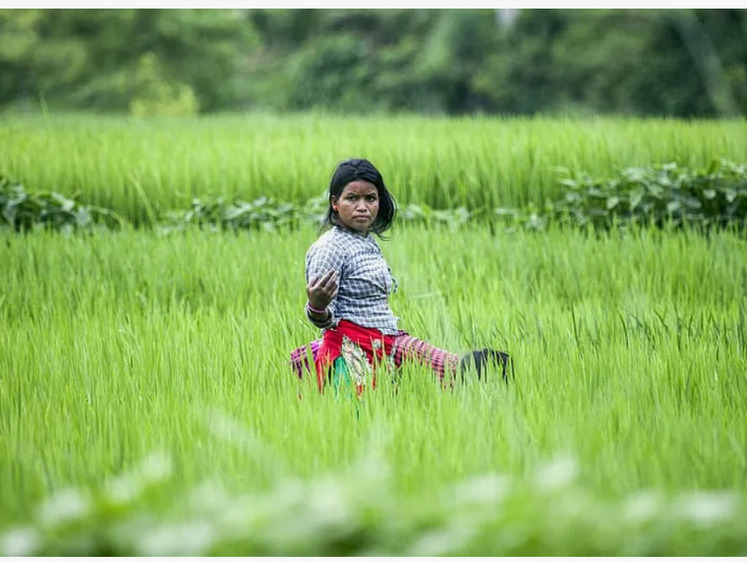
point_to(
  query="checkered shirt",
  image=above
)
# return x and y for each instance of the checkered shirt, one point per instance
(365, 280)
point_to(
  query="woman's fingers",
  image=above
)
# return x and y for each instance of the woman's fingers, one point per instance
(331, 275)
(322, 290)
(332, 282)
(330, 279)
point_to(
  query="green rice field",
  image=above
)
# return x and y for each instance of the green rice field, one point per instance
(147, 406)
(143, 167)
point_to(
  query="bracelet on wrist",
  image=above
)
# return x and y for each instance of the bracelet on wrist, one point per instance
(316, 310)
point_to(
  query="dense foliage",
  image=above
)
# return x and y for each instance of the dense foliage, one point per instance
(166, 62)
(668, 195)
(23, 211)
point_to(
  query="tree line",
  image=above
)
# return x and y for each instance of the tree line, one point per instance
(683, 63)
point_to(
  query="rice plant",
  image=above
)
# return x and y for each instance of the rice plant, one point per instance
(142, 168)
(147, 406)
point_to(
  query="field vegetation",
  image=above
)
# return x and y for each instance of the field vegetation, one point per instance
(142, 168)
(147, 406)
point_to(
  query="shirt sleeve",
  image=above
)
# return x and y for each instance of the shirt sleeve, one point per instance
(322, 257)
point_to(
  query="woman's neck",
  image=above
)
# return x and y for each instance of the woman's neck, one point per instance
(351, 231)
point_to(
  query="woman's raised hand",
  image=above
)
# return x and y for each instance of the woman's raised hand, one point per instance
(322, 291)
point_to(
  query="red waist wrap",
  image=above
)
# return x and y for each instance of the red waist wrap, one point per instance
(372, 341)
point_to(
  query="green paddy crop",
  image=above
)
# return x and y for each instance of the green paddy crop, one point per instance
(147, 405)
(142, 168)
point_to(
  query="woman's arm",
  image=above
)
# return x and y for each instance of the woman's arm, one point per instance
(324, 263)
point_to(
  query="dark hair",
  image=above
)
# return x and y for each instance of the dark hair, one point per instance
(361, 169)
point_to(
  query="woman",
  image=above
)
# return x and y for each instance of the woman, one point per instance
(348, 288)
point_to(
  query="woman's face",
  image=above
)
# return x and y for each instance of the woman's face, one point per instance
(357, 206)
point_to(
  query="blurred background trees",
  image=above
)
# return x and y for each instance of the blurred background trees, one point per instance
(686, 63)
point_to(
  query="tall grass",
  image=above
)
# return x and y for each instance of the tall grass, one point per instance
(142, 167)
(630, 361)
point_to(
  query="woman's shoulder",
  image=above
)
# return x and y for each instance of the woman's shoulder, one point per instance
(329, 240)
(327, 237)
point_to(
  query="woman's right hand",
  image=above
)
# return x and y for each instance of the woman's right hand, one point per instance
(322, 291)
